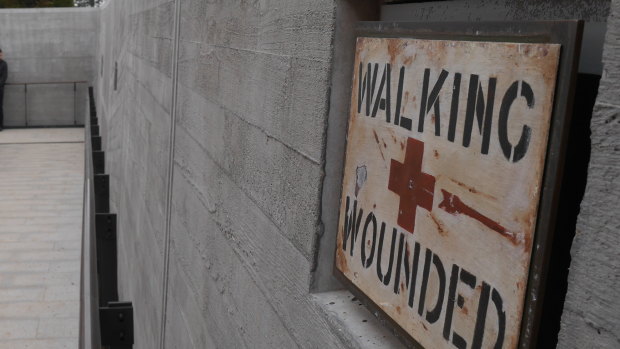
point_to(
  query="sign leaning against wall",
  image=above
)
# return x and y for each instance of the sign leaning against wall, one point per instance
(446, 151)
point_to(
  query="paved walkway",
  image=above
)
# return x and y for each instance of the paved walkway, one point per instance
(41, 194)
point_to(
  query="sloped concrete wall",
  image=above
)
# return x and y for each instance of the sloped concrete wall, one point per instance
(253, 84)
(234, 120)
(134, 96)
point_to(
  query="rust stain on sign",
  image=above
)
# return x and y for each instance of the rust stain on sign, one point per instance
(454, 205)
(436, 224)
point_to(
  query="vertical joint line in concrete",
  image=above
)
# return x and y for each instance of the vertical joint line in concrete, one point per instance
(173, 113)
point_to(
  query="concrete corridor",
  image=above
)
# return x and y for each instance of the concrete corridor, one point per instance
(41, 195)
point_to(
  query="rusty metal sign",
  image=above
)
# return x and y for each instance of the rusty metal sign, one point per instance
(445, 157)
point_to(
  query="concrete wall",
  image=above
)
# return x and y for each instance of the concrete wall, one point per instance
(49, 46)
(591, 317)
(135, 40)
(223, 126)
(215, 145)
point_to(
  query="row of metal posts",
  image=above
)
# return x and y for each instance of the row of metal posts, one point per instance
(115, 318)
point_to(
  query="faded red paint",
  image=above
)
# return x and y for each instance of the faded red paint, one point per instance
(453, 205)
(414, 187)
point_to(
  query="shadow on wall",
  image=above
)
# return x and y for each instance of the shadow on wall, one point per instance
(573, 189)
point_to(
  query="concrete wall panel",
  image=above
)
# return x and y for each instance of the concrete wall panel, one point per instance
(50, 105)
(591, 317)
(47, 45)
(14, 105)
(133, 93)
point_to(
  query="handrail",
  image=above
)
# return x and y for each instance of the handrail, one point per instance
(26, 84)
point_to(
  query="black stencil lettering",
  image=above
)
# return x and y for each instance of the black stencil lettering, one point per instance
(427, 267)
(366, 87)
(400, 261)
(476, 106)
(460, 301)
(414, 273)
(501, 315)
(458, 341)
(362, 87)
(378, 98)
(371, 219)
(388, 97)
(504, 112)
(388, 276)
(433, 315)
(432, 100)
(405, 123)
(482, 315)
(468, 278)
(351, 225)
(454, 108)
(379, 252)
(450, 302)
(371, 88)
(348, 221)
(399, 96)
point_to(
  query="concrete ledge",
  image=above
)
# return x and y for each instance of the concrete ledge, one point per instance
(354, 322)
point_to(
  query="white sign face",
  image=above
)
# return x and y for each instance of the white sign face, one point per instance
(445, 155)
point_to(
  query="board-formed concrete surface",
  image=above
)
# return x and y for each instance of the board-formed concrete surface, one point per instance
(41, 197)
(42, 135)
(44, 46)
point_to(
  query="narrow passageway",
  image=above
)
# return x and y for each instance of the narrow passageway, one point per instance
(41, 197)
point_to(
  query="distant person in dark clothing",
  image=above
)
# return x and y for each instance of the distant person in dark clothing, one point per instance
(4, 73)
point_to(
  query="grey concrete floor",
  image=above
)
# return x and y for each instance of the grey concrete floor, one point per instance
(41, 197)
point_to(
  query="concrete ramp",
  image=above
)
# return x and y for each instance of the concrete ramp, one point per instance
(41, 197)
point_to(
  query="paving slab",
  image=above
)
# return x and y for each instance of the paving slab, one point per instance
(41, 135)
(41, 197)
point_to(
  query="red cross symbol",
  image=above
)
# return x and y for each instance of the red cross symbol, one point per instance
(414, 187)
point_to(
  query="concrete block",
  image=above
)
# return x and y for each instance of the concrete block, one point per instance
(296, 28)
(23, 267)
(267, 90)
(62, 292)
(280, 181)
(22, 294)
(58, 328)
(41, 309)
(178, 335)
(279, 270)
(14, 329)
(48, 343)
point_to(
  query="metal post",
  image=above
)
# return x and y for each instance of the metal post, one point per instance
(26, 104)
(74, 103)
